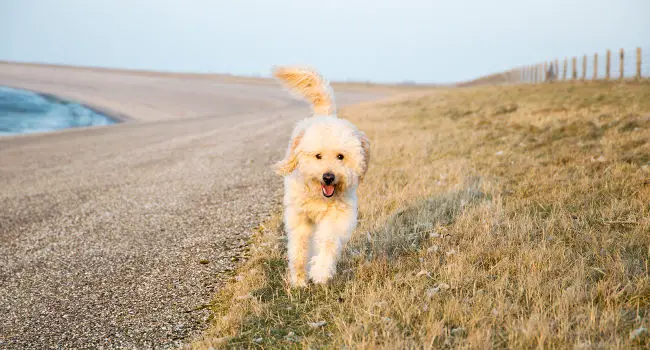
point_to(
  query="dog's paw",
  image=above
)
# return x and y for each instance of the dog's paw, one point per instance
(298, 280)
(321, 274)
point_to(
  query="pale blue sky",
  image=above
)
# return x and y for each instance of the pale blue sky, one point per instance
(424, 41)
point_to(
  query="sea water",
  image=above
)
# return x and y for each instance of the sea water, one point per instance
(24, 112)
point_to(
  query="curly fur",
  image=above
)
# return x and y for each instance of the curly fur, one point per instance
(317, 225)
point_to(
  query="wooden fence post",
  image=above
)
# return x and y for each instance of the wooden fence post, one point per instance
(622, 64)
(574, 69)
(533, 76)
(523, 74)
(595, 66)
(584, 67)
(545, 72)
(533, 72)
(608, 64)
(566, 62)
(638, 63)
(557, 69)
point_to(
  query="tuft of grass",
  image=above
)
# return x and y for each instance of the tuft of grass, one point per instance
(506, 109)
(491, 217)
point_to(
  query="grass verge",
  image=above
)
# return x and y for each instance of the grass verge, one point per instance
(508, 217)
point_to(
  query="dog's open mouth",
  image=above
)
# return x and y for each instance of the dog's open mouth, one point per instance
(328, 190)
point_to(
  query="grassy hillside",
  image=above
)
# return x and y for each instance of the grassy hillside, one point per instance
(509, 217)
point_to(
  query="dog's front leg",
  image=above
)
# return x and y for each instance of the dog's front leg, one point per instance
(330, 235)
(299, 231)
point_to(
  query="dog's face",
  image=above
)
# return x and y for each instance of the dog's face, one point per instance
(331, 156)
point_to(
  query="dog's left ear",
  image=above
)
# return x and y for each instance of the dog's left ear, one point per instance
(287, 165)
(365, 152)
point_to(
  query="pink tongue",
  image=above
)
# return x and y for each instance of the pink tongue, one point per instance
(328, 190)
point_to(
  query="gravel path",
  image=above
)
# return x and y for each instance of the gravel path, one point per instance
(115, 236)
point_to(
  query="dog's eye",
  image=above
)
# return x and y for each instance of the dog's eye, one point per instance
(318, 156)
(340, 156)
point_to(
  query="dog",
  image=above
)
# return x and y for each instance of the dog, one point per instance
(325, 161)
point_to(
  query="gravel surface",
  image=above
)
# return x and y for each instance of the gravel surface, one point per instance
(114, 237)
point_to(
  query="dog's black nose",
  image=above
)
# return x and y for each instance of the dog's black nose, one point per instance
(328, 178)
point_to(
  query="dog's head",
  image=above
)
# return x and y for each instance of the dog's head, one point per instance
(330, 155)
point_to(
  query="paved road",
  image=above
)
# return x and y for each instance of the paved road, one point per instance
(102, 230)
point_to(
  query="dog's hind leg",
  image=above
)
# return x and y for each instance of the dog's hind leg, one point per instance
(299, 232)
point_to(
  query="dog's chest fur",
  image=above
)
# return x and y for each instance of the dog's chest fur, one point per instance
(316, 209)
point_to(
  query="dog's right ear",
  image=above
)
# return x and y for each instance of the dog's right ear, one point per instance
(365, 152)
(287, 165)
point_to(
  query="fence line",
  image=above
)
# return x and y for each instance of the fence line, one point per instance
(623, 66)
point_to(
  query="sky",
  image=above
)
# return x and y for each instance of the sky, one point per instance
(431, 41)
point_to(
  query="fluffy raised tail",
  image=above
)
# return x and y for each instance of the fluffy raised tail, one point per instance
(308, 84)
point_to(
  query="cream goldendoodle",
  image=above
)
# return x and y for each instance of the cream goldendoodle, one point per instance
(326, 159)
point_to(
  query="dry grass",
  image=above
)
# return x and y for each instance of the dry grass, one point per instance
(507, 217)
